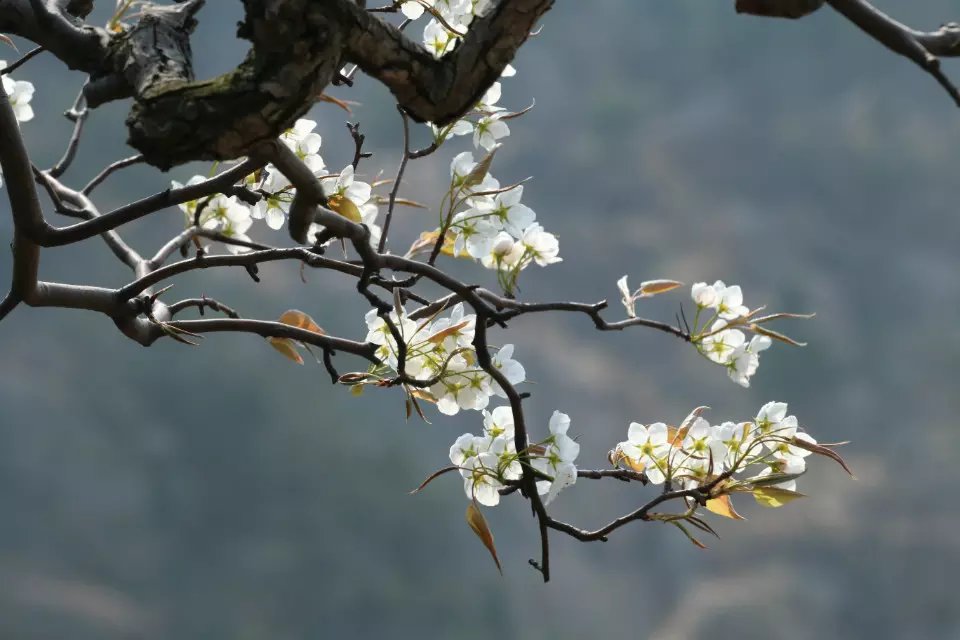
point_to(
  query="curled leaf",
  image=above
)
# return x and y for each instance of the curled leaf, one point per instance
(337, 101)
(822, 450)
(780, 316)
(433, 476)
(703, 525)
(479, 525)
(651, 288)
(770, 333)
(517, 114)
(356, 377)
(689, 535)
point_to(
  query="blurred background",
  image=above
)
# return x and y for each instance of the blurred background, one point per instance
(223, 492)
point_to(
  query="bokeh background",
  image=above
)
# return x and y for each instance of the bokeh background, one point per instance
(222, 492)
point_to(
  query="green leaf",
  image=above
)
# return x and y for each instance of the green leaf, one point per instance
(774, 497)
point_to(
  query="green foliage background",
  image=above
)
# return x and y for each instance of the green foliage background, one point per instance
(221, 492)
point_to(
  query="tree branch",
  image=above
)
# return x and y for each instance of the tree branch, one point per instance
(441, 90)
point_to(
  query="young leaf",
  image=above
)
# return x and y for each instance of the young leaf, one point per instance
(689, 535)
(703, 525)
(340, 103)
(780, 316)
(433, 476)
(651, 288)
(774, 497)
(776, 335)
(287, 348)
(722, 506)
(345, 207)
(770, 479)
(479, 525)
(819, 449)
(440, 336)
(480, 171)
(300, 320)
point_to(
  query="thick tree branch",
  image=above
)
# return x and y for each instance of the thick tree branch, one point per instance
(39, 231)
(441, 90)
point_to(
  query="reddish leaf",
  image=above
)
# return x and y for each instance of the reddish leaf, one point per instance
(819, 449)
(436, 474)
(300, 320)
(479, 525)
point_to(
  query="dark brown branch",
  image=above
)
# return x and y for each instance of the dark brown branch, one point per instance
(78, 114)
(920, 47)
(47, 236)
(405, 156)
(8, 304)
(27, 57)
(268, 329)
(441, 90)
(48, 24)
(200, 304)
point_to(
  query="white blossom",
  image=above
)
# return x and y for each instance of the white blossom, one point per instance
(647, 446)
(19, 93)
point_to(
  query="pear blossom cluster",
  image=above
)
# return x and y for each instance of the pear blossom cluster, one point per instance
(770, 450)
(484, 221)
(492, 225)
(490, 461)
(19, 93)
(440, 351)
(230, 217)
(719, 340)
